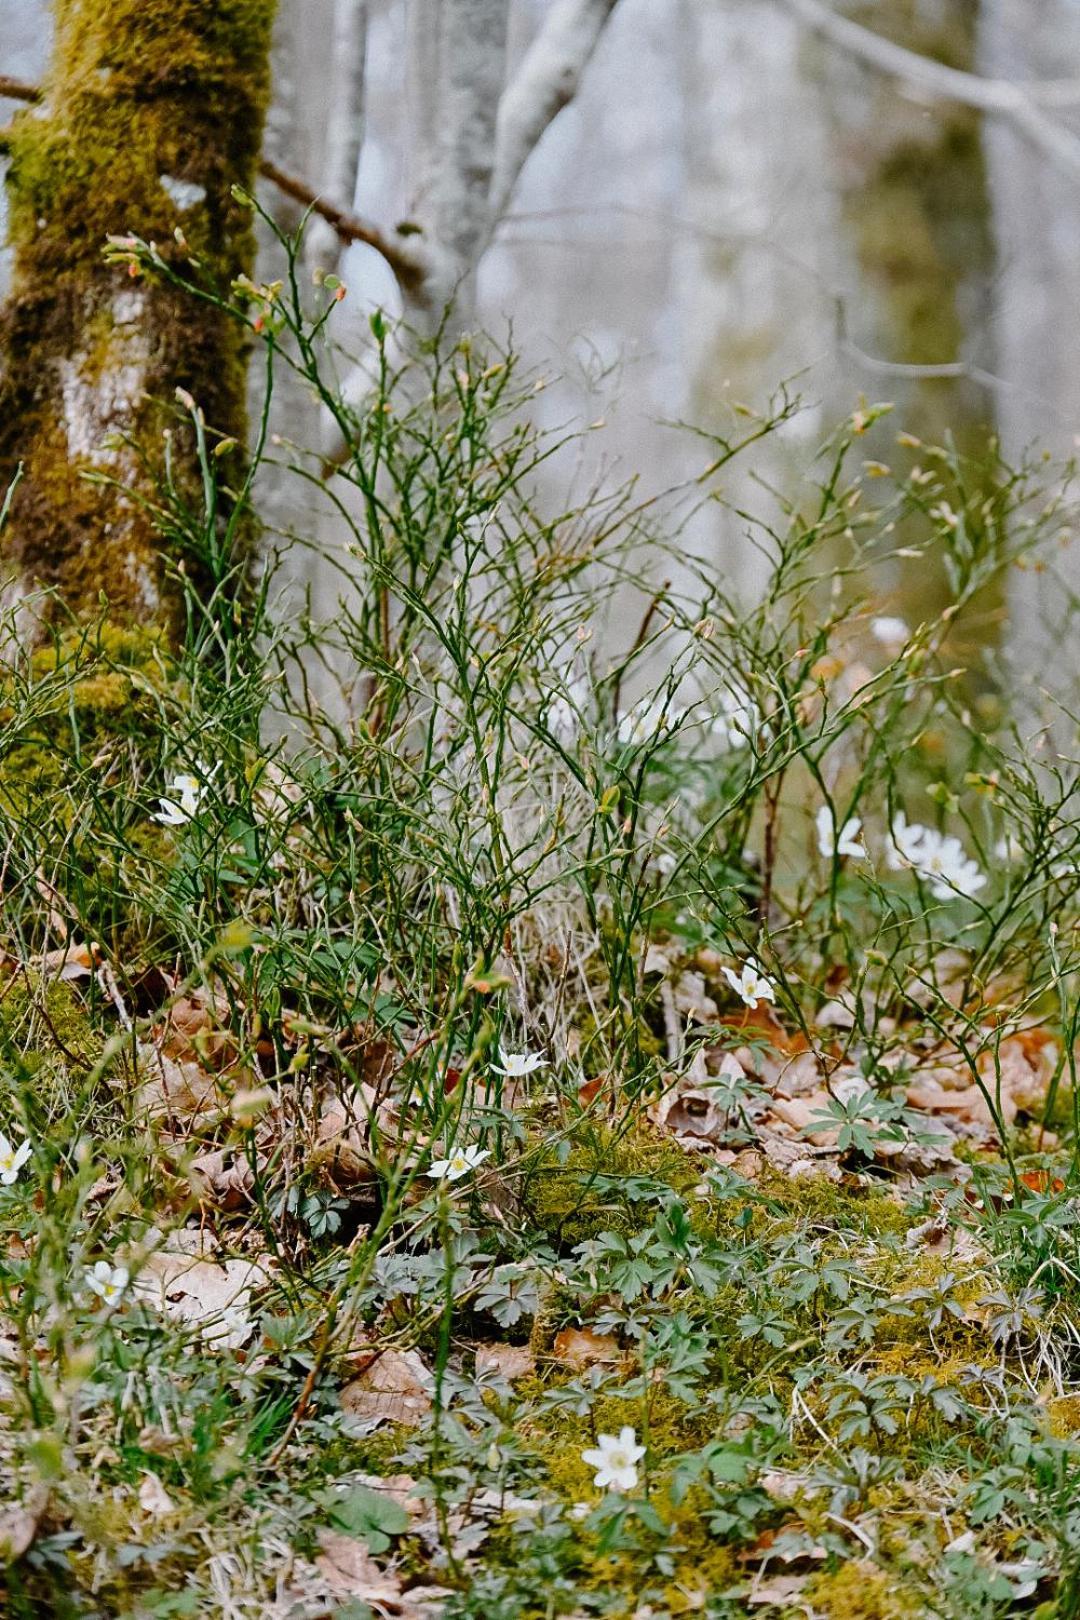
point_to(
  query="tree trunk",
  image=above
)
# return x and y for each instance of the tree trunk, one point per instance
(152, 112)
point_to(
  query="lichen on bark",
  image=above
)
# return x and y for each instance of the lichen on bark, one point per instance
(152, 112)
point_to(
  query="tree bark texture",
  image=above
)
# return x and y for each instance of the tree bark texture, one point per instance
(152, 112)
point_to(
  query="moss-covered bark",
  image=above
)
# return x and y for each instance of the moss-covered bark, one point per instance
(152, 112)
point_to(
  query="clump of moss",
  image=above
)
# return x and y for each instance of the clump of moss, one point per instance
(151, 116)
(850, 1206)
(859, 1590)
(45, 1035)
(81, 696)
(577, 1199)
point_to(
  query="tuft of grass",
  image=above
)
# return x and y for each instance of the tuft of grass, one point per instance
(519, 797)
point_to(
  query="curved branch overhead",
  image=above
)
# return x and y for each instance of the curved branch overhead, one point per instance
(1019, 103)
(545, 83)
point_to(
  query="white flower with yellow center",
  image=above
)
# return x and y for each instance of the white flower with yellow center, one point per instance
(750, 984)
(12, 1159)
(615, 1458)
(189, 793)
(846, 842)
(906, 843)
(459, 1163)
(108, 1282)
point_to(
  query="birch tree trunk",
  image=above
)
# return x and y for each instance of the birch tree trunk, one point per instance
(457, 73)
(474, 125)
(152, 112)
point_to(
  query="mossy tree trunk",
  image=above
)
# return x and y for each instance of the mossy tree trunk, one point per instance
(152, 111)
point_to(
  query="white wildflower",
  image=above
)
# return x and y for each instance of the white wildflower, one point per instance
(938, 858)
(750, 983)
(516, 1065)
(458, 1164)
(189, 793)
(615, 1459)
(948, 869)
(108, 1282)
(906, 842)
(12, 1159)
(848, 841)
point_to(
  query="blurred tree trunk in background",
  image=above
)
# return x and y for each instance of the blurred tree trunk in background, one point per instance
(767, 255)
(314, 128)
(152, 111)
(913, 186)
(1037, 316)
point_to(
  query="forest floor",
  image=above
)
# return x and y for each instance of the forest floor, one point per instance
(571, 1135)
(739, 1349)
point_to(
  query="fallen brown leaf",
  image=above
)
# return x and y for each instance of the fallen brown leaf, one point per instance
(154, 1499)
(778, 1592)
(581, 1347)
(394, 1388)
(200, 1291)
(221, 1179)
(348, 1570)
(19, 1524)
(510, 1361)
(72, 961)
(177, 1090)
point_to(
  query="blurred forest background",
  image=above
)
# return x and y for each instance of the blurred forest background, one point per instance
(734, 198)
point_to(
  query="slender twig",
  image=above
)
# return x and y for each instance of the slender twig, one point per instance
(406, 264)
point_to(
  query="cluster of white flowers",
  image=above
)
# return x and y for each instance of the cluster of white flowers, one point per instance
(938, 857)
(615, 1458)
(188, 793)
(515, 1066)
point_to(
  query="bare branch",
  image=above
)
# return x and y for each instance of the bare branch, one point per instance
(543, 85)
(1017, 102)
(405, 262)
(18, 89)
